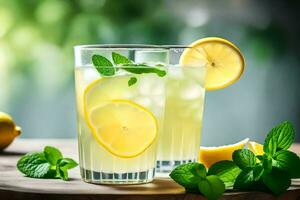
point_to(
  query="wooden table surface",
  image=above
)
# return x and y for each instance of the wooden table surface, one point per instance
(13, 185)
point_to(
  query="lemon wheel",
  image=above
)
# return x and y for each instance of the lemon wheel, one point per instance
(224, 61)
(122, 127)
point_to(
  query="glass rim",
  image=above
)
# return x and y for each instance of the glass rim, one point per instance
(145, 65)
(127, 46)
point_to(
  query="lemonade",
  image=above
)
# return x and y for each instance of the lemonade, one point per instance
(140, 108)
(207, 64)
(119, 116)
(185, 93)
(180, 140)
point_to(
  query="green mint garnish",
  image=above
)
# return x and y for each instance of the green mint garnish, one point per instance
(277, 181)
(211, 187)
(244, 158)
(62, 167)
(194, 177)
(277, 163)
(52, 155)
(245, 179)
(226, 170)
(120, 59)
(35, 165)
(103, 65)
(143, 69)
(47, 164)
(132, 81)
(183, 175)
(288, 161)
(280, 137)
(270, 172)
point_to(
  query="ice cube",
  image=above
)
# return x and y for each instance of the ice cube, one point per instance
(191, 91)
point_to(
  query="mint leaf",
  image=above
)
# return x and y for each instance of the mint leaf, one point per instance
(41, 165)
(183, 175)
(67, 163)
(280, 137)
(103, 65)
(199, 171)
(62, 167)
(258, 171)
(267, 162)
(143, 69)
(132, 81)
(287, 161)
(244, 158)
(35, 165)
(52, 154)
(211, 187)
(244, 180)
(277, 181)
(226, 170)
(119, 59)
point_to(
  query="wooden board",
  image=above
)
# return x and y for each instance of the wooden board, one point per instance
(13, 185)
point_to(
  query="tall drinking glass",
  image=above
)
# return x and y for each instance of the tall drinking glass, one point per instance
(120, 92)
(179, 141)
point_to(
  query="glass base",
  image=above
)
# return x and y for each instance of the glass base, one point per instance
(164, 167)
(117, 178)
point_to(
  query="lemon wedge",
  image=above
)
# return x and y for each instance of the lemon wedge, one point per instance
(224, 61)
(122, 127)
(256, 148)
(211, 155)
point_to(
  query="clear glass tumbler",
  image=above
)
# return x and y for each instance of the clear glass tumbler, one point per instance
(179, 141)
(120, 93)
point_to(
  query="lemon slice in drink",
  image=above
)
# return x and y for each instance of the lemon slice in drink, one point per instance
(122, 127)
(211, 155)
(224, 61)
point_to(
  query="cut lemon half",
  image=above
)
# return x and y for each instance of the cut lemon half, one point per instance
(224, 61)
(122, 127)
(211, 155)
(256, 148)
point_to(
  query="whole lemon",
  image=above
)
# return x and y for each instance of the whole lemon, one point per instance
(8, 130)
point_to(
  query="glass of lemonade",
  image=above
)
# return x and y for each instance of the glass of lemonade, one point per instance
(179, 141)
(120, 93)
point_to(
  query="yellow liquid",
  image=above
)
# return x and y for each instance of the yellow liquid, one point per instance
(96, 163)
(180, 140)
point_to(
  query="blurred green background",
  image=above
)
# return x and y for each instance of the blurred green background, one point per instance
(36, 58)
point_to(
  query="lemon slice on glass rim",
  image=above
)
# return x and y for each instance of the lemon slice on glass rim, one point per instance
(224, 61)
(120, 126)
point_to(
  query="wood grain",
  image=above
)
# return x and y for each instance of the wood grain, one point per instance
(13, 185)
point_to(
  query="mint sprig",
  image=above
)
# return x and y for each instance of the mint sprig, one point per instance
(275, 168)
(106, 68)
(194, 177)
(270, 172)
(47, 164)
